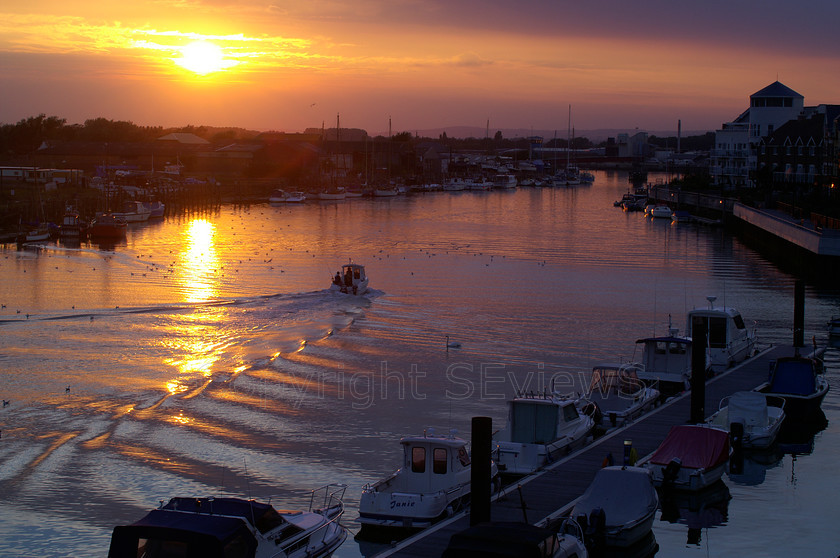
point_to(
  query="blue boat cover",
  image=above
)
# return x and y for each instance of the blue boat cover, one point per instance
(794, 376)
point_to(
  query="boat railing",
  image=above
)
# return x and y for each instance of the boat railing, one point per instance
(329, 496)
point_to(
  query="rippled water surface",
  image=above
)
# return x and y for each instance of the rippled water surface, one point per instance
(204, 354)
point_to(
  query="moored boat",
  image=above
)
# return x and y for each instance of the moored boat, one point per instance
(504, 181)
(729, 339)
(500, 539)
(661, 211)
(618, 507)
(692, 457)
(351, 279)
(223, 527)
(134, 212)
(666, 362)
(760, 421)
(107, 226)
(433, 483)
(616, 395)
(72, 226)
(800, 382)
(539, 430)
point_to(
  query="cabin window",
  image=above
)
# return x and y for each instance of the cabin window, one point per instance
(739, 321)
(439, 461)
(463, 456)
(717, 333)
(418, 460)
(570, 413)
(533, 423)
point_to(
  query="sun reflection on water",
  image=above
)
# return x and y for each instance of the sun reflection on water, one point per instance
(199, 262)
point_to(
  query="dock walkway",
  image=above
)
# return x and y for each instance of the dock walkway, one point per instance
(552, 492)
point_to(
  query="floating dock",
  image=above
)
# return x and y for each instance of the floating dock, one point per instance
(551, 493)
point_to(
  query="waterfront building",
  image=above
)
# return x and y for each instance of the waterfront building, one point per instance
(734, 159)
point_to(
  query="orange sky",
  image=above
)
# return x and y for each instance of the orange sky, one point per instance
(430, 64)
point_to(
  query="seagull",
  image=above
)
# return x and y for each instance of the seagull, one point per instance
(5, 402)
(67, 389)
(452, 344)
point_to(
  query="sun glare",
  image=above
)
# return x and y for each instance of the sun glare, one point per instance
(202, 58)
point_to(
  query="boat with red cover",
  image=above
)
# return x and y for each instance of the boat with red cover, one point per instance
(691, 457)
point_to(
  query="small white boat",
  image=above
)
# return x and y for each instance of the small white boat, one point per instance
(761, 422)
(456, 184)
(692, 457)
(730, 341)
(234, 527)
(38, 234)
(156, 209)
(616, 395)
(661, 211)
(666, 362)
(618, 508)
(502, 539)
(386, 192)
(539, 430)
(281, 196)
(433, 483)
(504, 181)
(332, 194)
(350, 280)
(134, 212)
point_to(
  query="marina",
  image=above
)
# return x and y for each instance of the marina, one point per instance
(205, 354)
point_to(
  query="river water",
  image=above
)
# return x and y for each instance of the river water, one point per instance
(205, 356)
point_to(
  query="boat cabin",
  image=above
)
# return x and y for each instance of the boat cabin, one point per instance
(351, 279)
(729, 341)
(539, 421)
(666, 360)
(430, 463)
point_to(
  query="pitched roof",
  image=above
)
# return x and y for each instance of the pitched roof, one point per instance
(776, 89)
(182, 137)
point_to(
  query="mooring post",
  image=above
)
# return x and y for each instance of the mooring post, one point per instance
(698, 369)
(482, 433)
(799, 313)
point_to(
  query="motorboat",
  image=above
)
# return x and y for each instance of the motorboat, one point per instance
(540, 429)
(156, 209)
(618, 507)
(350, 280)
(107, 226)
(134, 212)
(72, 226)
(661, 211)
(508, 539)
(222, 527)
(433, 483)
(456, 184)
(38, 234)
(616, 395)
(282, 196)
(729, 339)
(386, 192)
(504, 181)
(666, 362)
(332, 194)
(759, 420)
(800, 382)
(691, 457)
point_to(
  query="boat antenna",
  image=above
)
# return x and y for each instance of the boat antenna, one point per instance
(250, 500)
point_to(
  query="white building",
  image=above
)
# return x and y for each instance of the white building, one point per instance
(734, 155)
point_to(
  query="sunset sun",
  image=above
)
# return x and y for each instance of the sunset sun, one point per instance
(202, 57)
